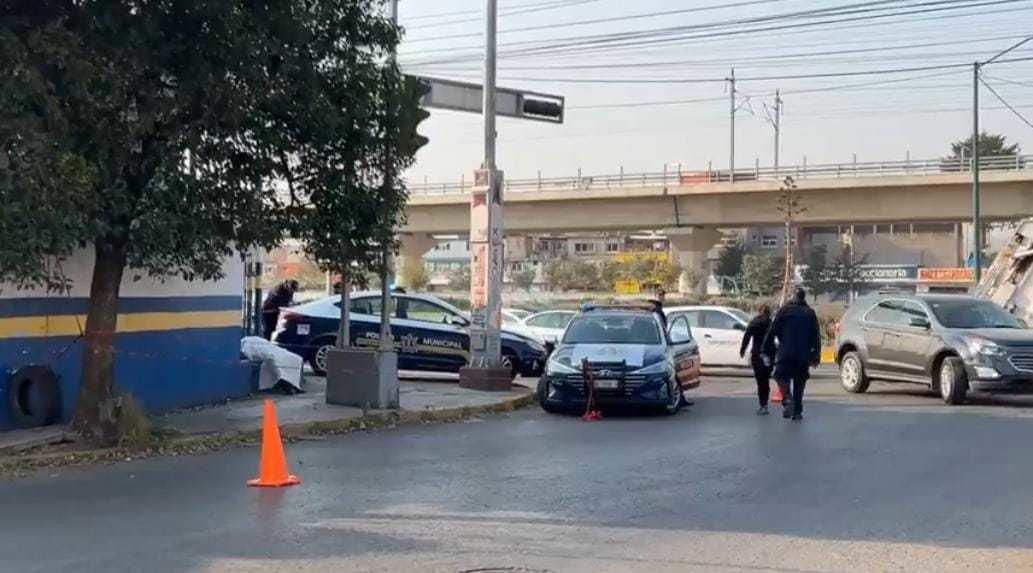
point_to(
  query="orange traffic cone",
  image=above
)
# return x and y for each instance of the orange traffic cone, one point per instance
(272, 465)
(776, 393)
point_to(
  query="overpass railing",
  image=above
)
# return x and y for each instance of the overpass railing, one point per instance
(679, 176)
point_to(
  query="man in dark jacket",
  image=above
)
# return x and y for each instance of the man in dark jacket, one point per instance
(282, 295)
(798, 336)
(753, 339)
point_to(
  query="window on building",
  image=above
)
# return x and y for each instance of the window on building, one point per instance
(769, 241)
(863, 230)
(934, 228)
(884, 229)
(612, 247)
(584, 247)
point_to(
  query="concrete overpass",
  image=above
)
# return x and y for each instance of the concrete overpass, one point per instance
(690, 208)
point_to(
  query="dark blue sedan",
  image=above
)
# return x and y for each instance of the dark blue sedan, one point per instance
(429, 333)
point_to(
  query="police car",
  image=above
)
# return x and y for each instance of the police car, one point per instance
(429, 333)
(632, 361)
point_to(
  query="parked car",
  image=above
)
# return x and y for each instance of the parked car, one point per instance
(950, 343)
(632, 360)
(514, 316)
(718, 331)
(429, 333)
(548, 326)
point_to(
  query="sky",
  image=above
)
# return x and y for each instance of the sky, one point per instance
(682, 50)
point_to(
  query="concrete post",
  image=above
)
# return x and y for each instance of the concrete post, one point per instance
(689, 247)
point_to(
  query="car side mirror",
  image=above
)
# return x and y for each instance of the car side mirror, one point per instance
(920, 323)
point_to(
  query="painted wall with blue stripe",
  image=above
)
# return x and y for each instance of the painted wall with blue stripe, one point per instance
(177, 345)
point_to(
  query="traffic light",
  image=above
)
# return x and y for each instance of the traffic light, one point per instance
(541, 108)
(411, 114)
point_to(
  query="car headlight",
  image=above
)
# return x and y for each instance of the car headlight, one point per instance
(557, 367)
(658, 368)
(984, 347)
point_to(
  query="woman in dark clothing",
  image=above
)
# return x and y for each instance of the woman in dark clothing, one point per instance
(755, 333)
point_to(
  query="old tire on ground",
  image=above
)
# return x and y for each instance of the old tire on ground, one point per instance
(953, 380)
(34, 397)
(543, 393)
(852, 376)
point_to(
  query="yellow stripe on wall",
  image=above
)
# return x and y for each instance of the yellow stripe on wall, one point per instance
(72, 325)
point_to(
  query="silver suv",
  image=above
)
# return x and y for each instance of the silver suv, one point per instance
(950, 343)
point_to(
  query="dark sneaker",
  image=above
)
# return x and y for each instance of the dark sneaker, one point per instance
(762, 411)
(797, 417)
(786, 412)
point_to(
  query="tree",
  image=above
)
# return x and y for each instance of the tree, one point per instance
(564, 274)
(817, 276)
(524, 279)
(414, 273)
(990, 145)
(169, 136)
(459, 279)
(762, 274)
(729, 260)
(846, 270)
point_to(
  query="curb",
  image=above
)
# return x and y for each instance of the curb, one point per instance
(828, 355)
(18, 464)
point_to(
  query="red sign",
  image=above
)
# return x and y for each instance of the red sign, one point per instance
(958, 275)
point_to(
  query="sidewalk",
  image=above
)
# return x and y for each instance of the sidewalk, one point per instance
(422, 399)
(311, 407)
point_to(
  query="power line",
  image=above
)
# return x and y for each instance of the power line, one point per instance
(667, 35)
(746, 62)
(602, 20)
(511, 11)
(754, 78)
(1003, 52)
(1006, 104)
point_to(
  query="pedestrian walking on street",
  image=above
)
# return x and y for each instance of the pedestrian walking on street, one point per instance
(793, 345)
(753, 338)
(281, 296)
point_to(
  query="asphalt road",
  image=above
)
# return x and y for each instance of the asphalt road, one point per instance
(891, 480)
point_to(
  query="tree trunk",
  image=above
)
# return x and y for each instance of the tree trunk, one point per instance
(96, 412)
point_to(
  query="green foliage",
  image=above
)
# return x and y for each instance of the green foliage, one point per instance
(524, 279)
(459, 279)
(763, 274)
(730, 260)
(414, 274)
(817, 278)
(567, 274)
(170, 135)
(990, 145)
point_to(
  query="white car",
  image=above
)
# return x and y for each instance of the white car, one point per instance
(514, 316)
(548, 326)
(718, 330)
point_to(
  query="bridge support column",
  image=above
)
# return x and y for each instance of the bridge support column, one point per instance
(413, 247)
(689, 247)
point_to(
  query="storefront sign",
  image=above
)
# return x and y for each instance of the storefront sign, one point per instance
(887, 273)
(947, 275)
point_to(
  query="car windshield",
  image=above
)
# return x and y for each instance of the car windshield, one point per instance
(968, 313)
(613, 329)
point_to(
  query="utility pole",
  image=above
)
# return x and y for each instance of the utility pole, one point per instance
(977, 225)
(731, 139)
(778, 127)
(387, 341)
(487, 370)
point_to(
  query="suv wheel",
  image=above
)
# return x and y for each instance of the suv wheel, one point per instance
(953, 381)
(852, 375)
